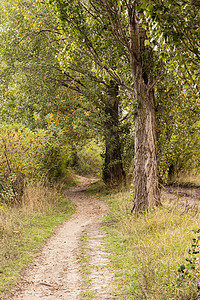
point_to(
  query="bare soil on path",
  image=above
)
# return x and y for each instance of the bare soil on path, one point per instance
(55, 273)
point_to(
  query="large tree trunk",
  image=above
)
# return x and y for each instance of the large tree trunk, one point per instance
(147, 192)
(113, 172)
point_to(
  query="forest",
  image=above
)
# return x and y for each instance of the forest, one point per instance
(106, 90)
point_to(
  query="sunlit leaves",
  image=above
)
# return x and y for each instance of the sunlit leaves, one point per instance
(174, 29)
(178, 127)
(22, 152)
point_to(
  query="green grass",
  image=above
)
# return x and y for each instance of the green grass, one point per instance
(87, 295)
(23, 231)
(85, 268)
(147, 249)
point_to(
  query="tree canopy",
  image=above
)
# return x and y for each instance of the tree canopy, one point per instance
(108, 68)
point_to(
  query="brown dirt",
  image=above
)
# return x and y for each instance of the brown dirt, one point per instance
(55, 273)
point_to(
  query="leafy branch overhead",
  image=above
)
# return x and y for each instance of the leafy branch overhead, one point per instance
(116, 70)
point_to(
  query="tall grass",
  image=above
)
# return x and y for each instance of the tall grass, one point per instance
(40, 196)
(147, 249)
(191, 179)
(24, 227)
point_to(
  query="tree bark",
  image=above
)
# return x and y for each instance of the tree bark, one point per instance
(147, 192)
(113, 172)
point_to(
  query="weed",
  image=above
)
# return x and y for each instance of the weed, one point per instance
(146, 249)
(87, 295)
(188, 273)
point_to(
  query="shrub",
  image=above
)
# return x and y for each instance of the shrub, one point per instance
(57, 161)
(21, 155)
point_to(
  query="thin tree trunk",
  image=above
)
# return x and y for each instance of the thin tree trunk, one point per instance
(113, 172)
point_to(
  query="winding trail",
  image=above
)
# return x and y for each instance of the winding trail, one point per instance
(55, 273)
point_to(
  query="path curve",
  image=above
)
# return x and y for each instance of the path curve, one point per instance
(55, 273)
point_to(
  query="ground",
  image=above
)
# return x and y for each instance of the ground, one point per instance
(73, 264)
(60, 272)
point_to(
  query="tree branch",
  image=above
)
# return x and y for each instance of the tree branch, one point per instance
(151, 86)
(196, 2)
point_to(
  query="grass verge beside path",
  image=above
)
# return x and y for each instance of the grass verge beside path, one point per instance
(24, 229)
(148, 249)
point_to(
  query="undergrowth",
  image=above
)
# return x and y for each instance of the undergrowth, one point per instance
(187, 179)
(24, 228)
(148, 249)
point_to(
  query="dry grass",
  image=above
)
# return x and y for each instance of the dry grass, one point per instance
(40, 196)
(23, 228)
(149, 248)
(188, 179)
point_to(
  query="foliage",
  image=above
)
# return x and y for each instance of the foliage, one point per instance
(70, 96)
(21, 155)
(29, 67)
(174, 33)
(87, 159)
(27, 154)
(177, 127)
(190, 270)
(57, 161)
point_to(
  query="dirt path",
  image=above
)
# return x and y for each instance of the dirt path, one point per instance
(56, 274)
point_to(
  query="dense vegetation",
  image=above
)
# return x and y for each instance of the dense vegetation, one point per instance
(107, 88)
(121, 72)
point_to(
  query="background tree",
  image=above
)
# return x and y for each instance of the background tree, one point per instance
(178, 128)
(174, 34)
(67, 94)
(82, 19)
(86, 70)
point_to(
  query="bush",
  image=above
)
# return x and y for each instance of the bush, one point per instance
(21, 155)
(57, 161)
